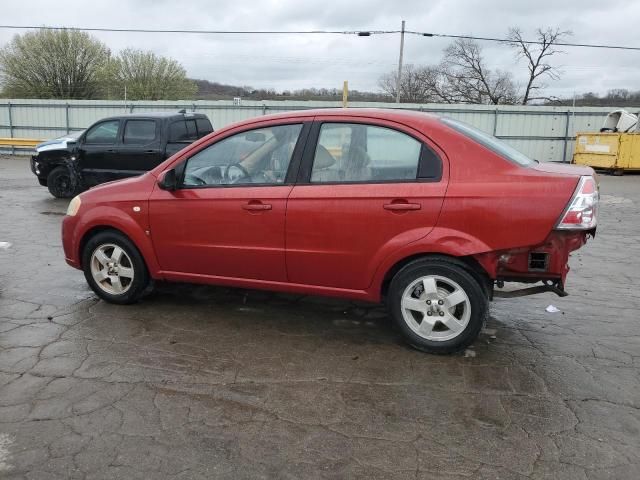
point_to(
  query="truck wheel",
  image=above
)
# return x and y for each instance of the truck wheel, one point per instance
(114, 268)
(60, 183)
(437, 304)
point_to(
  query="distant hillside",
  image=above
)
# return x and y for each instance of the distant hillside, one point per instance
(618, 97)
(219, 91)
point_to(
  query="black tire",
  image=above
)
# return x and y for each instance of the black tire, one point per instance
(141, 280)
(453, 271)
(60, 183)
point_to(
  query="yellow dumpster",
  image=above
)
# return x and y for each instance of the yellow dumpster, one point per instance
(616, 152)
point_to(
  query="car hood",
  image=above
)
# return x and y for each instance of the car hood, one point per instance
(61, 143)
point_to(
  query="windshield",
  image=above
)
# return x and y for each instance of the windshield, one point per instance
(489, 141)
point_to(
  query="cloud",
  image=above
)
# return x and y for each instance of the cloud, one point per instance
(295, 61)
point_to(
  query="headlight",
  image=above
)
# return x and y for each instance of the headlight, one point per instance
(74, 206)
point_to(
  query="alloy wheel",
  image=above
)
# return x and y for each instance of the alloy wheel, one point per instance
(112, 269)
(436, 308)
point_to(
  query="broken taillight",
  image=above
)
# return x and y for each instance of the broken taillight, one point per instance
(582, 210)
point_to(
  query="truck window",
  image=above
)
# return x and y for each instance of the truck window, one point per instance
(183, 131)
(103, 133)
(192, 131)
(139, 132)
(204, 127)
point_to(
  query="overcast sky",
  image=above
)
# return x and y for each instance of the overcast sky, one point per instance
(298, 61)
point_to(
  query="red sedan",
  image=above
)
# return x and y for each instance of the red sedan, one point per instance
(426, 213)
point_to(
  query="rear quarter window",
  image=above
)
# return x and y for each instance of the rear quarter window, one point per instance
(497, 146)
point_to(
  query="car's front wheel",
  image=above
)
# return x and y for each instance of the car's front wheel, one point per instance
(114, 268)
(438, 305)
(61, 184)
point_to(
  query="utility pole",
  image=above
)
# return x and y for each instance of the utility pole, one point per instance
(399, 79)
(345, 93)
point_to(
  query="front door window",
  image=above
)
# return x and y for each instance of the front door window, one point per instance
(259, 157)
(103, 133)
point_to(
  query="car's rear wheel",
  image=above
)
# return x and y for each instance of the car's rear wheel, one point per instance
(438, 305)
(60, 183)
(114, 268)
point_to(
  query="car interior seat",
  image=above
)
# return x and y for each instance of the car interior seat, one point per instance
(322, 163)
(357, 165)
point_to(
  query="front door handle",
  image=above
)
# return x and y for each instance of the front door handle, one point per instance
(401, 206)
(256, 206)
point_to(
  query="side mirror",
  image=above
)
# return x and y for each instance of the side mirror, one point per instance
(169, 181)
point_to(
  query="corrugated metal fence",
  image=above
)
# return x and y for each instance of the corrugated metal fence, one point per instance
(544, 133)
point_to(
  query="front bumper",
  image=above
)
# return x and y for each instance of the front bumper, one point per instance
(71, 254)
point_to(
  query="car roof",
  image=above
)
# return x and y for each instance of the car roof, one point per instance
(162, 115)
(422, 121)
(382, 113)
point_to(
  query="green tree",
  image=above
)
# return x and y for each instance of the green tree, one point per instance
(53, 64)
(148, 76)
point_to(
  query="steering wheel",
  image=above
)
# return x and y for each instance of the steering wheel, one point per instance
(235, 173)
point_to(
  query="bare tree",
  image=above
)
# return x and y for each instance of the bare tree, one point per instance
(53, 64)
(469, 80)
(619, 95)
(417, 85)
(537, 56)
(412, 85)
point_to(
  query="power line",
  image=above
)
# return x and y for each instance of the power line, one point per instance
(360, 33)
(530, 42)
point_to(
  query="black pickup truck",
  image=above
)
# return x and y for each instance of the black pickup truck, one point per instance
(114, 148)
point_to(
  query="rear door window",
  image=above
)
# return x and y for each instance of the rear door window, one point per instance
(178, 131)
(192, 131)
(139, 132)
(204, 127)
(183, 131)
(350, 152)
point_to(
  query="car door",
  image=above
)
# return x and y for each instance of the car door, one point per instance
(227, 218)
(366, 188)
(141, 149)
(97, 151)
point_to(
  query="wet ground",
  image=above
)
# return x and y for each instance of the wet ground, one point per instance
(202, 382)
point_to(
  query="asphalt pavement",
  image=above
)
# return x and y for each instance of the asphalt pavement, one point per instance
(201, 382)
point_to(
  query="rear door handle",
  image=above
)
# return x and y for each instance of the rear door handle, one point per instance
(256, 206)
(402, 206)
